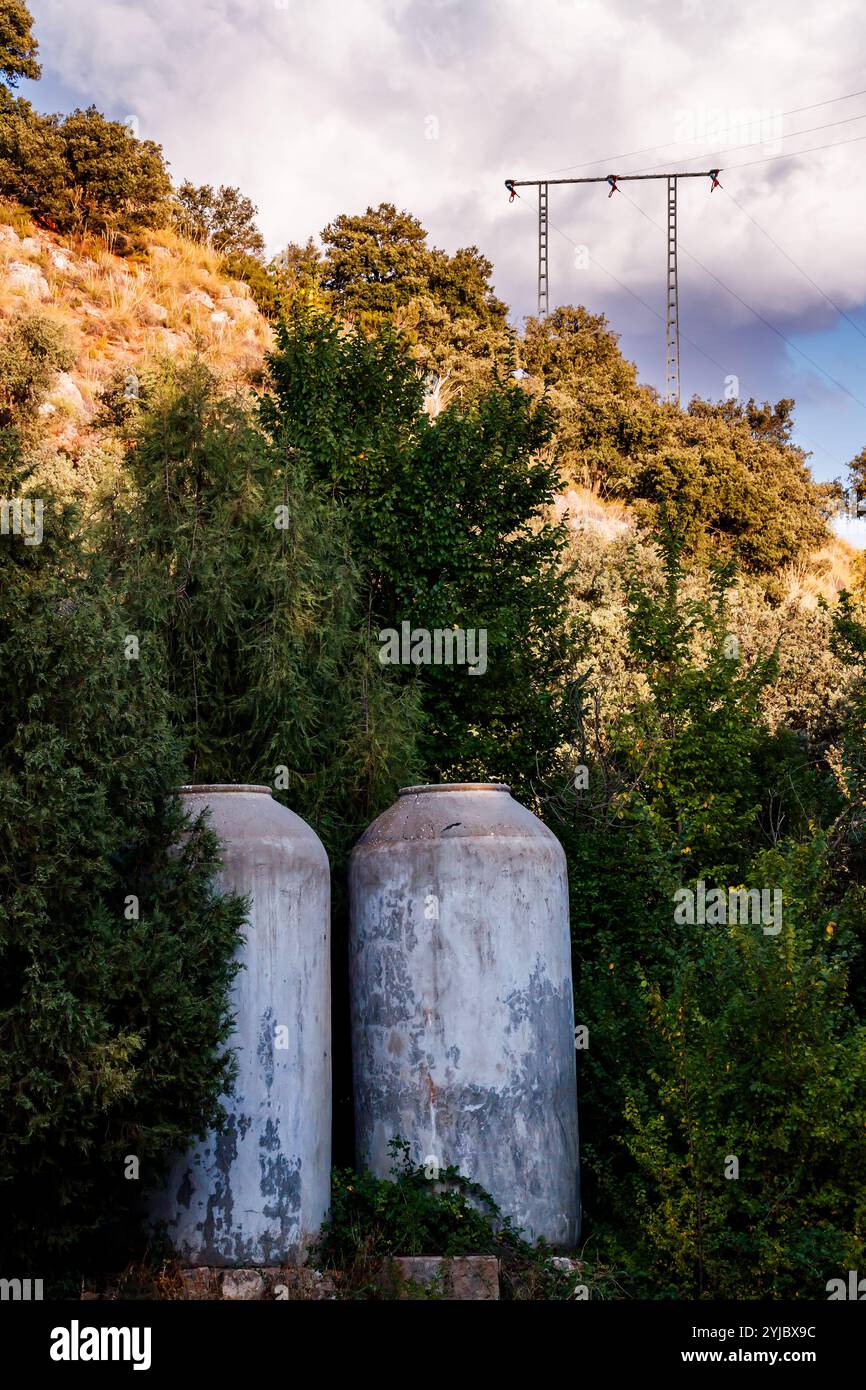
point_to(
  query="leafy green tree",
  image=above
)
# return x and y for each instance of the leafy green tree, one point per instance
(76, 173)
(741, 488)
(32, 164)
(224, 218)
(115, 949)
(302, 264)
(574, 357)
(374, 262)
(115, 179)
(241, 565)
(82, 172)
(18, 46)
(451, 528)
(702, 1034)
(378, 269)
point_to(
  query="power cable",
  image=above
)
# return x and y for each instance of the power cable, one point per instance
(648, 149)
(804, 273)
(751, 309)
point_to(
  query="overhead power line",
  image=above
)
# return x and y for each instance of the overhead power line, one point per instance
(791, 135)
(752, 310)
(795, 154)
(608, 160)
(672, 312)
(672, 332)
(691, 342)
(795, 264)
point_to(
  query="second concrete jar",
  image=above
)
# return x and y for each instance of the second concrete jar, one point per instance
(462, 1009)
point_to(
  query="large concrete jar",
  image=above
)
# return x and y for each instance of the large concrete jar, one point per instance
(258, 1193)
(462, 1007)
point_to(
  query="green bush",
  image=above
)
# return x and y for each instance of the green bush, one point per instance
(711, 1041)
(411, 1215)
(32, 350)
(438, 1212)
(115, 950)
(451, 528)
(757, 1057)
(240, 565)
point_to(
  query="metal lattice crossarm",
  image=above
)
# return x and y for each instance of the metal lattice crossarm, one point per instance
(672, 302)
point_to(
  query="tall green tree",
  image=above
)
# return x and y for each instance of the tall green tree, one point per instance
(224, 217)
(452, 529)
(18, 45)
(115, 949)
(236, 559)
(378, 269)
(728, 468)
(707, 1039)
(81, 172)
(375, 262)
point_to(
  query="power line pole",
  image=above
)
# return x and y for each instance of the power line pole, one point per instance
(672, 310)
(543, 306)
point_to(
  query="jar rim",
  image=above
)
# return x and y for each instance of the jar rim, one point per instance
(198, 788)
(455, 787)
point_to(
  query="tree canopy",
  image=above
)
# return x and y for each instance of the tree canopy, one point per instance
(18, 45)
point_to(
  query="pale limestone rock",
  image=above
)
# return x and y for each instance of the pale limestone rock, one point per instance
(239, 308)
(199, 297)
(153, 313)
(168, 341)
(28, 278)
(65, 392)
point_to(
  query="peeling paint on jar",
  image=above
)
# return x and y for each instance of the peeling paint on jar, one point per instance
(257, 1193)
(462, 1003)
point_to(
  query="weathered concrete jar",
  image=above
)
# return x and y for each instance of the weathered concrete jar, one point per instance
(462, 1008)
(258, 1193)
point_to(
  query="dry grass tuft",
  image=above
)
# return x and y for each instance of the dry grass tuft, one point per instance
(125, 312)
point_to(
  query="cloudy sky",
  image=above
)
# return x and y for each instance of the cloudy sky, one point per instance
(316, 107)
